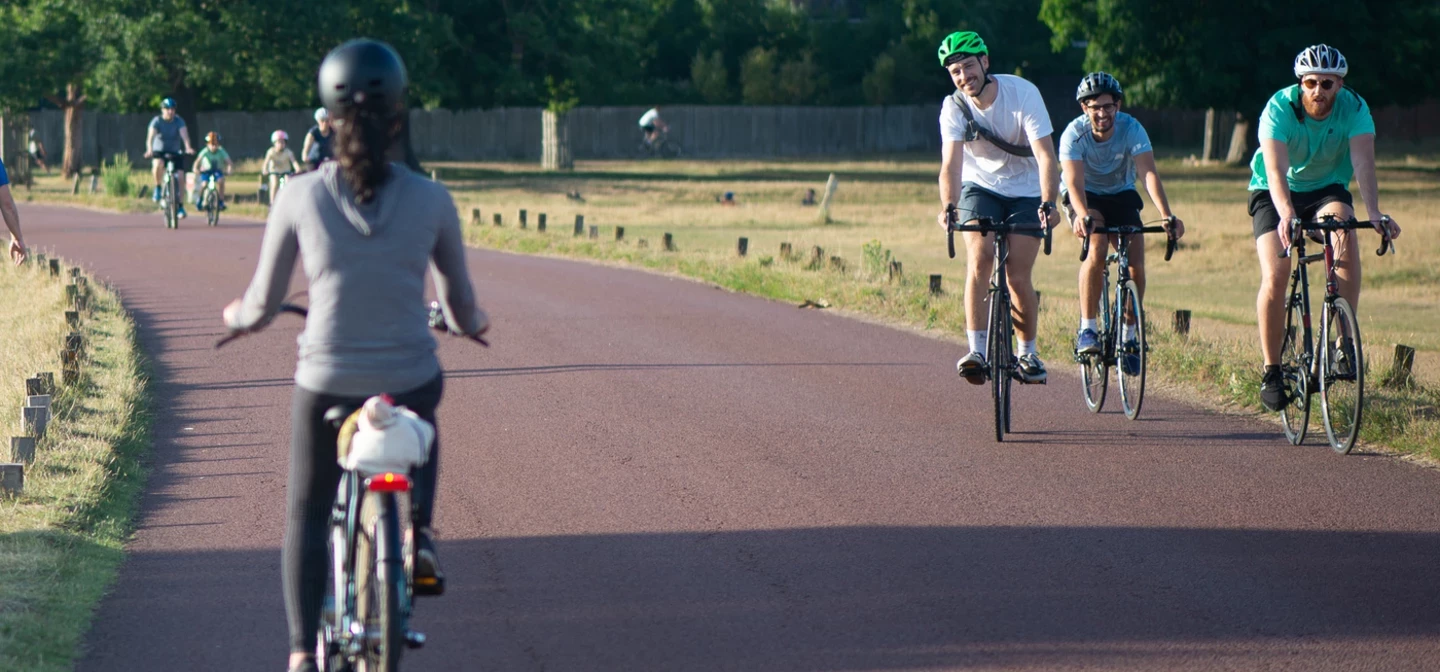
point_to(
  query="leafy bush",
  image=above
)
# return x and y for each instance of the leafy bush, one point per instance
(879, 83)
(757, 77)
(115, 174)
(711, 78)
(876, 259)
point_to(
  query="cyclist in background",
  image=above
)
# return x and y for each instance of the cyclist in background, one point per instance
(37, 151)
(168, 135)
(368, 229)
(652, 125)
(278, 159)
(212, 161)
(316, 149)
(1101, 153)
(1314, 137)
(1017, 183)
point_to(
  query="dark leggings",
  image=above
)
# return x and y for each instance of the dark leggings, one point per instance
(314, 477)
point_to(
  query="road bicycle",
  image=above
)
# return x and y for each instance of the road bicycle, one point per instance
(210, 198)
(1130, 355)
(365, 621)
(1000, 359)
(662, 147)
(1337, 370)
(170, 190)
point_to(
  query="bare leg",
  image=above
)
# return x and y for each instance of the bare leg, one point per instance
(979, 260)
(1270, 300)
(1023, 250)
(1091, 270)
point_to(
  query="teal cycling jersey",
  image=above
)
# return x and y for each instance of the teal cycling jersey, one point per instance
(1319, 148)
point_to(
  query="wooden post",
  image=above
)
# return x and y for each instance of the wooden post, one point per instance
(33, 421)
(540, 225)
(75, 341)
(498, 220)
(475, 216)
(94, 183)
(76, 190)
(22, 449)
(47, 382)
(40, 259)
(523, 218)
(669, 243)
(34, 386)
(555, 141)
(1400, 369)
(817, 258)
(786, 251)
(71, 291)
(642, 243)
(837, 264)
(72, 319)
(619, 233)
(12, 479)
(55, 268)
(897, 271)
(74, 271)
(742, 246)
(579, 225)
(1182, 323)
(935, 284)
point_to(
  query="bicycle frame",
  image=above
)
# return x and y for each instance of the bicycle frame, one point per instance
(1110, 314)
(1299, 276)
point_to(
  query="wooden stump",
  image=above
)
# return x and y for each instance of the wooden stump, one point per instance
(669, 243)
(594, 233)
(579, 225)
(897, 271)
(55, 268)
(34, 420)
(47, 382)
(12, 479)
(22, 449)
(817, 258)
(72, 319)
(540, 223)
(935, 284)
(742, 246)
(1182, 323)
(837, 264)
(34, 386)
(498, 220)
(475, 216)
(619, 233)
(1401, 368)
(523, 220)
(786, 251)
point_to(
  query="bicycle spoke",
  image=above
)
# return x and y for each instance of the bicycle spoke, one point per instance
(1130, 351)
(1342, 375)
(1294, 366)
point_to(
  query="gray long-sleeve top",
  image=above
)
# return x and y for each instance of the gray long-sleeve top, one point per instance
(366, 333)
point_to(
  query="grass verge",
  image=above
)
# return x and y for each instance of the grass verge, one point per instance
(61, 540)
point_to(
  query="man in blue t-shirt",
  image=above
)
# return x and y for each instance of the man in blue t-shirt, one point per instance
(1314, 137)
(166, 138)
(12, 218)
(1101, 153)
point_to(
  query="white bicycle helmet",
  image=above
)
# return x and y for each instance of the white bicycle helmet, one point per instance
(321, 114)
(279, 135)
(1321, 59)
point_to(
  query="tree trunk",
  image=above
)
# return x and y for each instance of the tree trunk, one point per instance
(1240, 147)
(74, 106)
(1212, 129)
(555, 141)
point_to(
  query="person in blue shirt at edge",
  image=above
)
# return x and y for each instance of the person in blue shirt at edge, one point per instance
(1102, 152)
(12, 219)
(1315, 136)
(168, 135)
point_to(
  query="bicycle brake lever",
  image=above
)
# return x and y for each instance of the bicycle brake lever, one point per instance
(1085, 240)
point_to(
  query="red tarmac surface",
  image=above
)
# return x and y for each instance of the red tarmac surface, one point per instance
(646, 473)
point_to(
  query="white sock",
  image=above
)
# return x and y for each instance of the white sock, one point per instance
(1026, 348)
(1128, 332)
(1092, 324)
(979, 340)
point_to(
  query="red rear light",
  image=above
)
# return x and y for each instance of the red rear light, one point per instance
(388, 482)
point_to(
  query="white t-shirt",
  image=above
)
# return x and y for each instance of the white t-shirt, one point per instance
(1017, 116)
(649, 117)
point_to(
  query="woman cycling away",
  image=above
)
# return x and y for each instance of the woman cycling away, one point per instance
(367, 230)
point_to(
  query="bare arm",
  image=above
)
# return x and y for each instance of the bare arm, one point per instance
(452, 280)
(305, 148)
(150, 142)
(1145, 168)
(952, 169)
(1044, 149)
(1073, 172)
(262, 299)
(185, 138)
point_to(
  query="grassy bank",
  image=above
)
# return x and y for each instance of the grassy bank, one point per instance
(61, 540)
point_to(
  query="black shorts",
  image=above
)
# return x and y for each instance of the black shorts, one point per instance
(1306, 203)
(182, 160)
(1122, 209)
(978, 202)
(648, 128)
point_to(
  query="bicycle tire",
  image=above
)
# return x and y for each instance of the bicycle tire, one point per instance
(212, 207)
(1094, 370)
(1132, 385)
(379, 583)
(670, 150)
(1342, 397)
(998, 357)
(167, 203)
(1294, 355)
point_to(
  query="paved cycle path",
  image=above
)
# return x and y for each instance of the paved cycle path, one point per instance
(646, 473)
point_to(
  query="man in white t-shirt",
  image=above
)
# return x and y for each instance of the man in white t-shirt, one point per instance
(1000, 165)
(651, 125)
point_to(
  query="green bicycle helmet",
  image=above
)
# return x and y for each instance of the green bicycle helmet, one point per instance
(956, 46)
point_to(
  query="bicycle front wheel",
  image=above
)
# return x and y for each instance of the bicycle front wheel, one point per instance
(212, 207)
(670, 150)
(999, 357)
(1295, 367)
(1094, 372)
(379, 583)
(1342, 375)
(1130, 352)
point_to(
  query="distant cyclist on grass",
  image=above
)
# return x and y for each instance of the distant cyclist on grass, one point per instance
(1314, 136)
(998, 161)
(1102, 152)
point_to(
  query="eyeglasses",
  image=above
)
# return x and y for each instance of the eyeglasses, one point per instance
(1326, 84)
(1107, 108)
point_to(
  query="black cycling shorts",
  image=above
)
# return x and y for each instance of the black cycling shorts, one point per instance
(1122, 209)
(182, 160)
(1306, 203)
(978, 202)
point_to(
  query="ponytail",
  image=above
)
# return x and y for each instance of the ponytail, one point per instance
(362, 147)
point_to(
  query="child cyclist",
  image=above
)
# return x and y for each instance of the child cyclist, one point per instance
(279, 159)
(212, 161)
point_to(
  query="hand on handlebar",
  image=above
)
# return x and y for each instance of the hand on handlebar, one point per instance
(1176, 227)
(1082, 223)
(948, 217)
(1288, 227)
(1387, 227)
(1048, 215)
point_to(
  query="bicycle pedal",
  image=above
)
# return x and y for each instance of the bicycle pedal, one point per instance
(414, 640)
(429, 586)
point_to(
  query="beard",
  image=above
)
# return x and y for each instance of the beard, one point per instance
(1320, 108)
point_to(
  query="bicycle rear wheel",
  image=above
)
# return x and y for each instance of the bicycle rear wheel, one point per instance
(1342, 375)
(1130, 353)
(670, 149)
(379, 583)
(998, 357)
(1094, 372)
(1295, 367)
(212, 207)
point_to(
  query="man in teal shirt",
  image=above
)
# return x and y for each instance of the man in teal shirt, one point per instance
(1314, 137)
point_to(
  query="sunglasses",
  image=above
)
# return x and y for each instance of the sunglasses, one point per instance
(1326, 84)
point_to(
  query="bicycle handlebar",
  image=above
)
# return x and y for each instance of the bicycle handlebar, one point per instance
(1298, 227)
(1147, 227)
(304, 312)
(987, 225)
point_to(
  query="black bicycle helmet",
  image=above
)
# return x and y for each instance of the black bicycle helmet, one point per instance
(1098, 83)
(364, 73)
